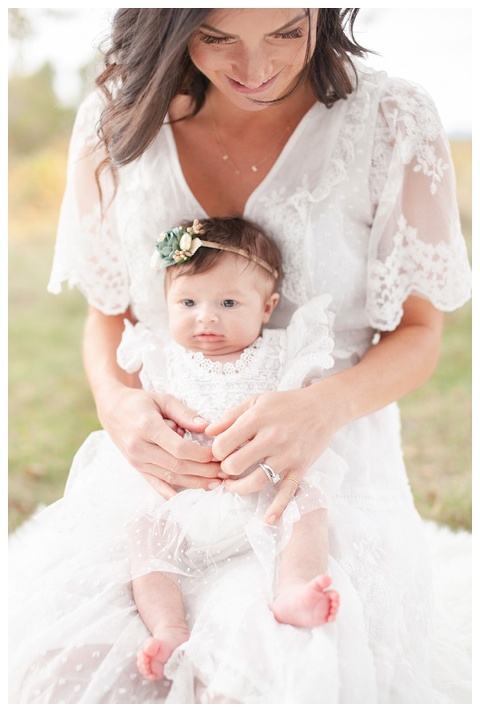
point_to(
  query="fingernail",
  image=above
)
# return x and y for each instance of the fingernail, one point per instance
(200, 420)
(272, 519)
(213, 485)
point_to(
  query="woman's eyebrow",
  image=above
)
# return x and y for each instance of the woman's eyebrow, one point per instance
(290, 23)
(205, 26)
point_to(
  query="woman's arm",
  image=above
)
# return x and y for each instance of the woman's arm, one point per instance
(291, 429)
(135, 419)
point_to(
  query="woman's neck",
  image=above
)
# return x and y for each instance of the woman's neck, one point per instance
(226, 152)
(234, 121)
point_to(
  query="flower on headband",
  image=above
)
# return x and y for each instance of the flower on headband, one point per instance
(177, 245)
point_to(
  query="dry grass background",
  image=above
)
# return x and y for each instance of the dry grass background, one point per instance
(51, 410)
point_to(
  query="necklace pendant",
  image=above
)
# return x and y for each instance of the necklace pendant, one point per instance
(254, 168)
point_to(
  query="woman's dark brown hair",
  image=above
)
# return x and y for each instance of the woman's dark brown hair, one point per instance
(147, 64)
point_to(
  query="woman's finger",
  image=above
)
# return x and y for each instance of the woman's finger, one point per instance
(259, 478)
(184, 417)
(229, 417)
(161, 445)
(253, 482)
(233, 430)
(176, 448)
(286, 492)
(180, 473)
(159, 486)
(165, 482)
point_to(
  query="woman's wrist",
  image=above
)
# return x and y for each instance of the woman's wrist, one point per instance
(107, 396)
(333, 399)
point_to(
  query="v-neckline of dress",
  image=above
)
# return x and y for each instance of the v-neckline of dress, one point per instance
(286, 150)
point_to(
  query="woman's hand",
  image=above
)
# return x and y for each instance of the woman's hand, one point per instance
(148, 428)
(286, 430)
(289, 430)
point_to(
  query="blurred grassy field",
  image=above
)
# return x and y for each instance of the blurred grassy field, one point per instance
(51, 410)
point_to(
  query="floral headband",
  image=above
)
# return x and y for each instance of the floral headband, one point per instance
(178, 245)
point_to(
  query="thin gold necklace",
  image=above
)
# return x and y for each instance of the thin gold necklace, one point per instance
(225, 155)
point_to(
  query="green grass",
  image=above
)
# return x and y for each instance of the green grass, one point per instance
(437, 431)
(50, 407)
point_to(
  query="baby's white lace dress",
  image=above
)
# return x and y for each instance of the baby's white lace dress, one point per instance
(196, 529)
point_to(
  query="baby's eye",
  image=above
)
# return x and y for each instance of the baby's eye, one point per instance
(188, 302)
(229, 303)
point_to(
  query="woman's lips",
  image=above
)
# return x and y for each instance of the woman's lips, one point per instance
(242, 89)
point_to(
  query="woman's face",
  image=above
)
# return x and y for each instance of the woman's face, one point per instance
(250, 54)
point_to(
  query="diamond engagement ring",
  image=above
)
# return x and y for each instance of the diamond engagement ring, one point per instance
(271, 474)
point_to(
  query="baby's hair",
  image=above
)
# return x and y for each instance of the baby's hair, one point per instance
(232, 232)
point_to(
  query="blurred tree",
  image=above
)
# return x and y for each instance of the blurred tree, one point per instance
(19, 29)
(19, 25)
(35, 115)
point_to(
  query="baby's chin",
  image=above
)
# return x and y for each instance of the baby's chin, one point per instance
(215, 349)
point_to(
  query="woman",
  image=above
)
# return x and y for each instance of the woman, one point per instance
(269, 114)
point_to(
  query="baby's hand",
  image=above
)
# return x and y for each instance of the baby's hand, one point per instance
(173, 426)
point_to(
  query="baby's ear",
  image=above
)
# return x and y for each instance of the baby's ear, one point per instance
(270, 305)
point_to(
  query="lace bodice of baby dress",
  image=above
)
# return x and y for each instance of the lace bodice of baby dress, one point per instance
(278, 359)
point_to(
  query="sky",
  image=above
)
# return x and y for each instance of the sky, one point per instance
(433, 47)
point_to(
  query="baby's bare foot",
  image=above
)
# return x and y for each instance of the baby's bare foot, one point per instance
(307, 604)
(156, 650)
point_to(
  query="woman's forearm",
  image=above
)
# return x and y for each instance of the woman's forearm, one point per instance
(401, 362)
(102, 335)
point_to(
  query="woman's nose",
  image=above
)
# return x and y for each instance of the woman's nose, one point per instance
(252, 66)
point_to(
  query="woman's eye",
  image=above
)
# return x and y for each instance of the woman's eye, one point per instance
(188, 303)
(211, 39)
(229, 303)
(292, 35)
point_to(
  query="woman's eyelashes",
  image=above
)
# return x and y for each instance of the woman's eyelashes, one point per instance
(297, 33)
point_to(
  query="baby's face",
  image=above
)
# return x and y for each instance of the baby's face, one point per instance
(220, 312)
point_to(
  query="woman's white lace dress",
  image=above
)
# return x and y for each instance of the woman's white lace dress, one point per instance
(362, 204)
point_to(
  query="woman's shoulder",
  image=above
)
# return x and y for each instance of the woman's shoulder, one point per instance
(87, 118)
(405, 94)
(391, 88)
(92, 104)
(404, 108)
(408, 113)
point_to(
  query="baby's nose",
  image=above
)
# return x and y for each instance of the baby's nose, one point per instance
(207, 314)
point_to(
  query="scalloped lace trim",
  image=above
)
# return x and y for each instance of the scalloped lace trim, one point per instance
(414, 266)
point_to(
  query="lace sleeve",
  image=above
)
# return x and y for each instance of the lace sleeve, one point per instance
(141, 350)
(416, 244)
(88, 253)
